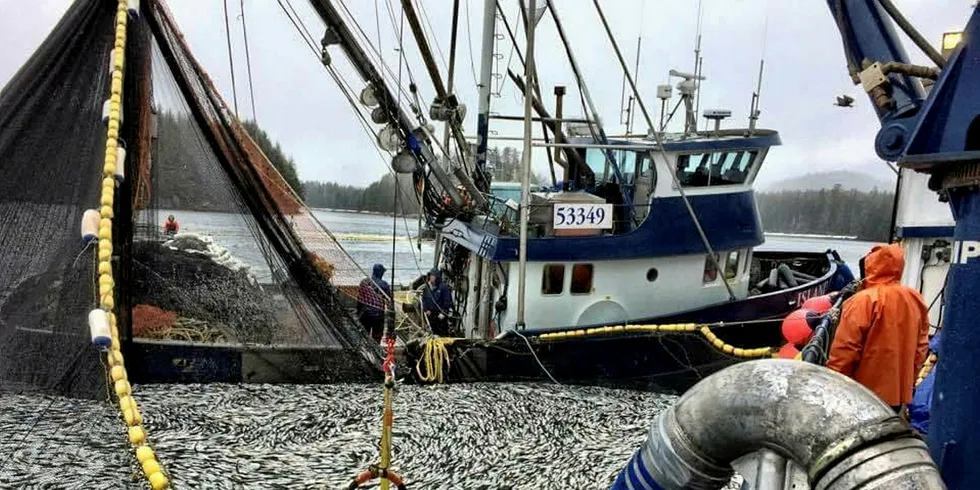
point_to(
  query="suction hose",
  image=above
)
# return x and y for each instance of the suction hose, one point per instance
(843, 435)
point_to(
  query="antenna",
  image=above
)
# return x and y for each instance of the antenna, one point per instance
(754, 111)
(626, 104)
(698, 63)
(754, 107)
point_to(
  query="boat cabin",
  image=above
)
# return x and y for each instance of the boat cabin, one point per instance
(615, 242)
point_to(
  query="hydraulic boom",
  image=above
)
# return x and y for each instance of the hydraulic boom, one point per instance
(938, 134)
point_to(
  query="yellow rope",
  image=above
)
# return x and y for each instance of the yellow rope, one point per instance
(434, 356)
(666, 328)
(926, 368)
(127, 404)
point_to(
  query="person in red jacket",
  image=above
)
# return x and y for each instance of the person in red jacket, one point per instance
(883, 335)
(170, 227)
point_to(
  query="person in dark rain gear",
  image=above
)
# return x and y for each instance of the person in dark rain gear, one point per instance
(373, 298)
(437, 303)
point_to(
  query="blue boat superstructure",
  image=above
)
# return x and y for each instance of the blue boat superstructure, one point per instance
(653, 265)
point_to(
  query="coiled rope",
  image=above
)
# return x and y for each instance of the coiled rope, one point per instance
(435, 355)
(926, 368)
(117, 373)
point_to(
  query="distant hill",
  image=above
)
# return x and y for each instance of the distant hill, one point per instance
(861, 181)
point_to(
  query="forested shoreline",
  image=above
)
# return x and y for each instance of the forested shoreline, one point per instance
(504, 164)
(180, 185)
(836, 211)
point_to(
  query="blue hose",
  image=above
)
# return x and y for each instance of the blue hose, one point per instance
(635, 476)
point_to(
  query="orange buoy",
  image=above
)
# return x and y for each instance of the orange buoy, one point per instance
(797, 326)
(788, 351)
(819, 304)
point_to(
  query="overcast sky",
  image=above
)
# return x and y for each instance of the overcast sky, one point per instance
(301, 106)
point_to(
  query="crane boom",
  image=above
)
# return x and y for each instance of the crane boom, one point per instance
(938, 134)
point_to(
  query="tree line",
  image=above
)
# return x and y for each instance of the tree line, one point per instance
(503, 164)
(866, 215)
(378, 197)
(186, 174)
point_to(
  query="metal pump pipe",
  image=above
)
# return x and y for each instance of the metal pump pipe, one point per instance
(843, 435)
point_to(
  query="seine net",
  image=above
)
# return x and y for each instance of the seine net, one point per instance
(235, 273)
(236, 270)
(52, 146)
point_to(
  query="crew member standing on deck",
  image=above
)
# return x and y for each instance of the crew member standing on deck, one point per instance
(171, 227)
(373, 297)
(437, 303)
(883, 335)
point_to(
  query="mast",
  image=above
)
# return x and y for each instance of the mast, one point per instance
(446, 107)
(482, 134)
(526, 167)
(486, 75)
(338, 32)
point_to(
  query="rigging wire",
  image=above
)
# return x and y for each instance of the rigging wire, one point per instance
(469, 42)
(248, 62)
(300, 19)
(375, 51)
(231, 61)
(432, 35)
(377, 27)
(308, 40)
(348, 92)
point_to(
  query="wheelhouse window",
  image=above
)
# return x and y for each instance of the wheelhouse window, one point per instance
(731, 265)
(597, 160)
(710, 272)
(581, 279)
(715, 168)
(553, 279)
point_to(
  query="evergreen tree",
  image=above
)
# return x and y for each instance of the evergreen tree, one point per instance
(866, 215)
(273, 151)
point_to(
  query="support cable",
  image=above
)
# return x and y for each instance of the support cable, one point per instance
(663, 153)
(595, 126)
(248, 62)
(231, 61)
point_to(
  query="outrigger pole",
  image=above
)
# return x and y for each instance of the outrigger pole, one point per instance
(526, 166)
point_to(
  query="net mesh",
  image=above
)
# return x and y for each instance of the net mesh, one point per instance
(47, 277)
(245, 263)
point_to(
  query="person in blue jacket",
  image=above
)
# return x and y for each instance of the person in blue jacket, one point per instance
(373, 298)
(437, 303)
(921, 403)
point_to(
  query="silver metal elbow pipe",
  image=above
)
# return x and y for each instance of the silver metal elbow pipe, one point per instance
(843, 435)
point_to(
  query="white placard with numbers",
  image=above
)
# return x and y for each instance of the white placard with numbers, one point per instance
(583, 216)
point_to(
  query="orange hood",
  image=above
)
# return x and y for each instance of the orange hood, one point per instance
(884, 264)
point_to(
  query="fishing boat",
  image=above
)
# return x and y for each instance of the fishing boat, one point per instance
(640, 260)
(639, 266)
(642, 233)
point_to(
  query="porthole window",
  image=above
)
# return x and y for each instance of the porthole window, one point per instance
(710, 272)
(553, 279)
(652, 274)
(581, 279)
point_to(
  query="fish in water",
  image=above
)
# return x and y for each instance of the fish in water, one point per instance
(482, 436)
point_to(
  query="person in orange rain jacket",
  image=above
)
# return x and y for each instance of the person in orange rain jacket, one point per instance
(883, 335)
